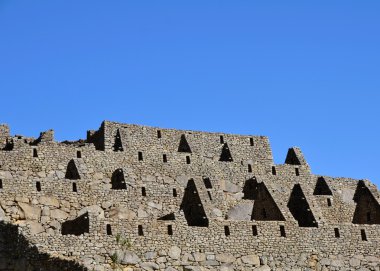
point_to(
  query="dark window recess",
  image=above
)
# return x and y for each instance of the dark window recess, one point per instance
(363, 234)
(164, 158)
(192, 206)
(209, 195)
(79, 154)
(183, 145)
(118, 146)
(292, 158)
(251, 141)
(75, 187)
(174, 192)
(225, 156)
(77, 226)
(170, 216)
(300, 209)
(329, 202)
(336, 231)
(207, 183)
(221, 140)
(322, 188)
(1, 184)
(38, 186)
(254, 230)
(227, 231)
(367, 209)
(35, 154)
(159, 134)
(264, 207)
(9, 145)
(249, 168)
(297, 171)
(187, 159)
(274, 170)
(170, 230)
(143, 191)
(140, 155)
(118, 180)
(282, 231)
(72, 171)
(109, 229)
(140, 230)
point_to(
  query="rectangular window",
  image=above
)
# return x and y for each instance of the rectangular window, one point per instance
(164, 158)
(187, 159)
(79, 154)
(140, 230)
(336, 231)
(297, 171)
(1, 184)
(364, 236)
(207, 183)
(251, 141)
(35, 154)
(158, 133)
(75, 187)
(274, 170)
(140, 156)
(109, 230)
(174, 192)
(249, 168)
(143, 191)
(170, 230)
(209, 195)
(282, 231)
(329, 202)
(221, 140)
(227, 231)
(254, 230)
(38, 186)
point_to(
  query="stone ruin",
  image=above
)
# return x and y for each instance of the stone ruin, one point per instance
(132, 197)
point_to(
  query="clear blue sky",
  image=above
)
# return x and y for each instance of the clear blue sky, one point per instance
(304, 73)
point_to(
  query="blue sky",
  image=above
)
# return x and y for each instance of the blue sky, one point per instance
(304, 73)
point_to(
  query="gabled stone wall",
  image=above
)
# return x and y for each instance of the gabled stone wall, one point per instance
(61, 198)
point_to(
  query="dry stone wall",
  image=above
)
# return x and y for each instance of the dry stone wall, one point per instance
(132, 197)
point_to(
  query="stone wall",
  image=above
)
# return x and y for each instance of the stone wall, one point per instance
(127, 195)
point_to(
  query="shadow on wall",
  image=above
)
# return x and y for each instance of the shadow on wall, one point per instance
(16, 253)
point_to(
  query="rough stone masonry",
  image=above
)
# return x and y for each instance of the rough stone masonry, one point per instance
(132, 197)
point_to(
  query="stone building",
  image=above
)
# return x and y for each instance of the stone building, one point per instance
(132, 197)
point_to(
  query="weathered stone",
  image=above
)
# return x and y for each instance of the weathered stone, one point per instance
(242, 211)
(354, 262)
(337, 263)
(199, 257)
(49, 201)
(122, 213)
(129, 257)
(150, 255)
(155, 205)
(2, 214)
(149, 266)
(35, 227)
(225, 258)
(58, 214)
(93, 210)
(30, 212)
(174, 252)
(230, 187)
(251, 259)
(265, 268)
